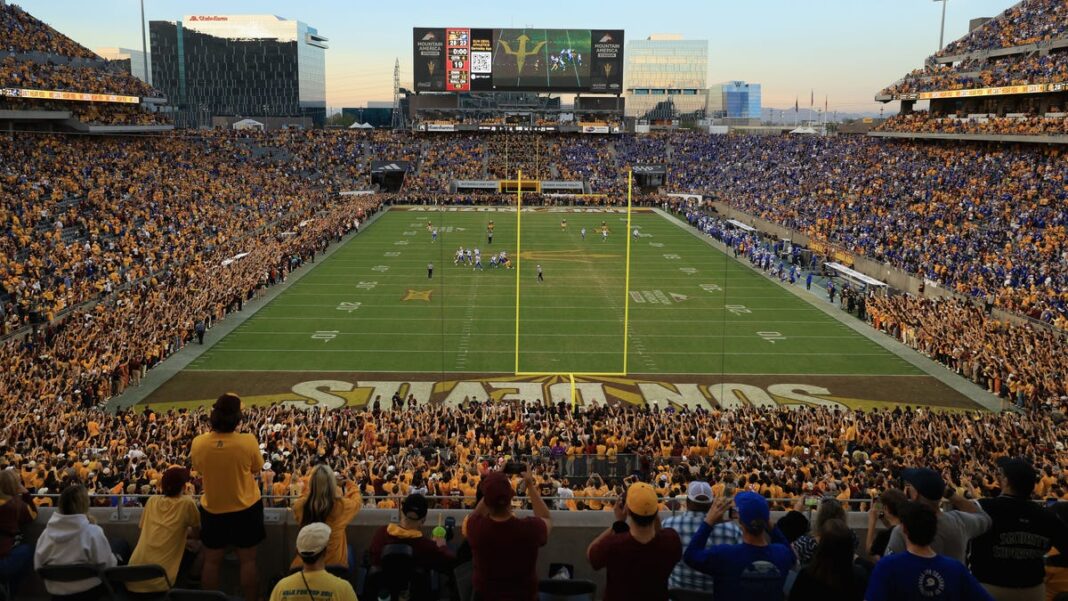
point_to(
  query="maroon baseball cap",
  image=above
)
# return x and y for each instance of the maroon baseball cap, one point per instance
(497, 490)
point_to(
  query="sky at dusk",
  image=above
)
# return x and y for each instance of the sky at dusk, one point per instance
(846, 50)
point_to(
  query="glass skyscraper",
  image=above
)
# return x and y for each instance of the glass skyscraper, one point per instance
(666, 78)
(239, 65)
(734, 100)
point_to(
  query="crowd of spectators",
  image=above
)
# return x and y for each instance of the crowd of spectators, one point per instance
(990, 468)
(447, 158)
(510, 153)
(1030, 125)
(982, 220)
(1023, 363)
(161, 233)
(71, 78)
(580, 457)
(1028, 22)
(1017, 69)
(25, 33)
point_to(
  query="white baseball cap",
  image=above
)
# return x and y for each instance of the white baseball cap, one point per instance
(697, 489)
(312, 539)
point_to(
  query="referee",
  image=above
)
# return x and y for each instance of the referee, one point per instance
(541, 278)
(429, 271)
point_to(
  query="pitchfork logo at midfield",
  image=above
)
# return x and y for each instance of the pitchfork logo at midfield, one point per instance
(521, 53)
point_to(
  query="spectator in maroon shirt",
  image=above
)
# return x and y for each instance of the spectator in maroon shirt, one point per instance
(429, 554)
(505, 547)
(640, 555)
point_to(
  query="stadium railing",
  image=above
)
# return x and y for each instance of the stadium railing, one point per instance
(123, 505)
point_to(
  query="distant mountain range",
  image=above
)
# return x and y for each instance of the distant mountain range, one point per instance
(787, 115)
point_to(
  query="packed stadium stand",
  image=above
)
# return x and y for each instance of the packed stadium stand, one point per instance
(1007, 77)
(50, 81)
(118, 251)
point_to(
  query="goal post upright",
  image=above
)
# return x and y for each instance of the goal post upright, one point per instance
(518, 257)
(626, 285)
(570, 375)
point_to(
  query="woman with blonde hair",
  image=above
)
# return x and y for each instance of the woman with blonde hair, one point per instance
(16, 510)
(324, 501)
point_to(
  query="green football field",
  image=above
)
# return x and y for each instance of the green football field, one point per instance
(371, 308)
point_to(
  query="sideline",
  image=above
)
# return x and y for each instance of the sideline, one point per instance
(171, 366)
(968, 389)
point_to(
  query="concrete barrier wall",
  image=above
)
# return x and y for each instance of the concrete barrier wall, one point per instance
(572, 533)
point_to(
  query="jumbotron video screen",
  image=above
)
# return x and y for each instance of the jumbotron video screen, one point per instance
(552, 60)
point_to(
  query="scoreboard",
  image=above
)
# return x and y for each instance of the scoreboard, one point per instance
(457, 59)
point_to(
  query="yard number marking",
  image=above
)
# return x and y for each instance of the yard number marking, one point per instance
(771, 337)
(348, 307)
(366, 285)
(325, 335)
(672, 257)
(738, 309)
(711, 288)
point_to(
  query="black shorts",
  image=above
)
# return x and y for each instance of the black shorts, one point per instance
(241, 529)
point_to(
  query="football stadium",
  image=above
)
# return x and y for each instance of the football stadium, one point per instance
(563, 321)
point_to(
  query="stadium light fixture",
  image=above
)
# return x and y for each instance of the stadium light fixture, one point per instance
(144, 44)
(942, 31)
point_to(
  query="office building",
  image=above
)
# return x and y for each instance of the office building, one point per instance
(240, 65)
(666, 78)
(136, 58)
(734, 100)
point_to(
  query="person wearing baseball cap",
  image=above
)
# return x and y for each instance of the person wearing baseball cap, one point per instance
(639, 556)
(698, 502)
(231, 509)
(955, 527)
(313, 581)
(504, 547)
(165, 524)
(1009, 559)
(753, 570)
(429, 554)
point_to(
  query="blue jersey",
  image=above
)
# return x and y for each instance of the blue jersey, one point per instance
(742, 572)
(908, 577)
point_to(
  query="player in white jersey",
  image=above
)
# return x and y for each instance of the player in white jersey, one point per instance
(583, 232)
(459, 256)
(635, 233)
(478, 260)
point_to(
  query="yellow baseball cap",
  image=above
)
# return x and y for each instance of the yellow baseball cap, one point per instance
(641, 499)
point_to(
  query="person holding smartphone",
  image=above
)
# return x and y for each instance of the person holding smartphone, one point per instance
(638, 554)
(504, 547)
(755, 569)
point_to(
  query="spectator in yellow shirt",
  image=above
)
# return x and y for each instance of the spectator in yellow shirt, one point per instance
(313, 581)
(231, 510)
(165, 525)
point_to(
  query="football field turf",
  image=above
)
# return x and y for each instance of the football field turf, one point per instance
(371, 308)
